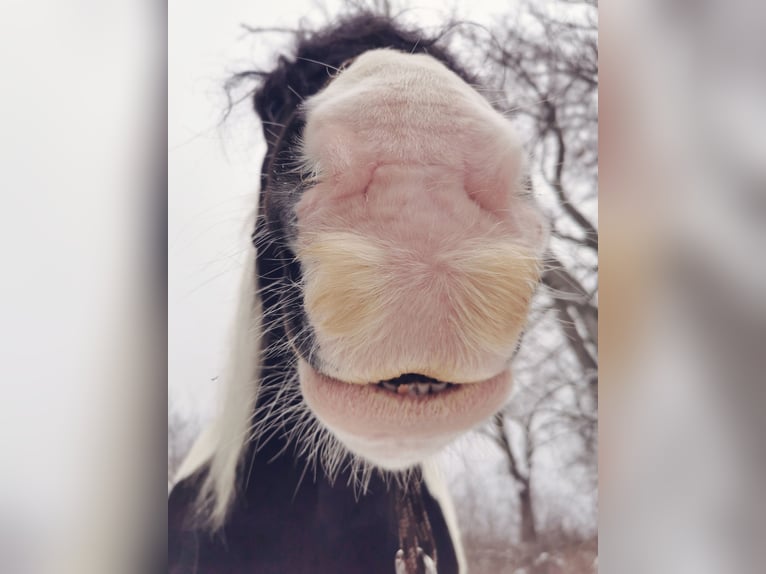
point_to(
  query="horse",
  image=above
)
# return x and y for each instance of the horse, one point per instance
(396, 248)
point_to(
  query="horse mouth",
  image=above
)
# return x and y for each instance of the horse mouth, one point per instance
(414, 385)
(397, 422)
(411, 387)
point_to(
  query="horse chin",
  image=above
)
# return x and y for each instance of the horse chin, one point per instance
(395, 430)
(394, 453)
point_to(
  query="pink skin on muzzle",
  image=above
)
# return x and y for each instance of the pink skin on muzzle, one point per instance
(419, 254)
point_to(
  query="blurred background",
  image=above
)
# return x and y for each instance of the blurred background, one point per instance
(525, 485)
(106, 247)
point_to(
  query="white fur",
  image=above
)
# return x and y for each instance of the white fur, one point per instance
(222, 443)
(437, 486)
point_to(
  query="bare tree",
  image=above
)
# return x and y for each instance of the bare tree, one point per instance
(542, 65)
(522, 478)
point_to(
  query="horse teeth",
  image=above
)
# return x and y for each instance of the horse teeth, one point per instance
(413, 389)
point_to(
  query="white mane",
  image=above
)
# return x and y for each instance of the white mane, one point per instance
(221, 444)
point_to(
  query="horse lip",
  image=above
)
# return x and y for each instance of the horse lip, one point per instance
(360, 413)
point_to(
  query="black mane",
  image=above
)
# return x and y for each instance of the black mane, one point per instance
(318, 55)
